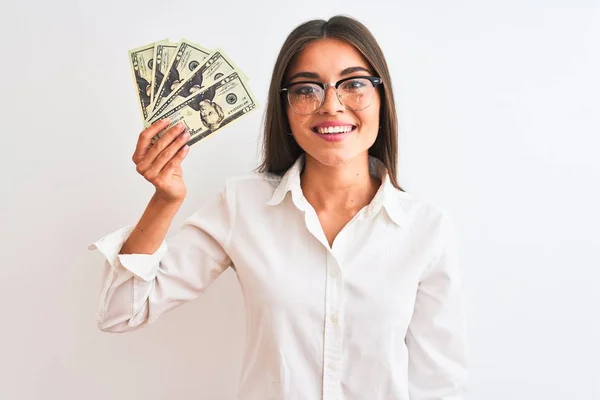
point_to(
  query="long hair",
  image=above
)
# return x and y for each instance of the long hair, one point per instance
(279, 149)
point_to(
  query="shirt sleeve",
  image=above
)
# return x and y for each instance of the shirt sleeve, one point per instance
(437, 337)
(138, 288)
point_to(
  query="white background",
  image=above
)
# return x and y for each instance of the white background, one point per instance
(499, 124)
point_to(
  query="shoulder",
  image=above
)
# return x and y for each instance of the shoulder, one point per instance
(424, 214)
(239, 196)
(420, 204)
(253, 187)
(255, 181)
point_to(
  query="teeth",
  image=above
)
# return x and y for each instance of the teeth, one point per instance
(335, 129)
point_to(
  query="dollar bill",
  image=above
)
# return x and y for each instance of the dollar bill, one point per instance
(142, 64)
(188, 56)
(163, 54)
(215, 67)
(212, 109)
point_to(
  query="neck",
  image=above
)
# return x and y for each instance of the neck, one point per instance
(345, 187)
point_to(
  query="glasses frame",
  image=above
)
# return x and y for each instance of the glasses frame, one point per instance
(375, 81)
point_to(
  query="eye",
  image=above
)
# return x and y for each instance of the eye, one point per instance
(305, 90)
(354, 84)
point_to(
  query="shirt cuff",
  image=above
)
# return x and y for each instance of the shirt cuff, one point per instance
(143, 266)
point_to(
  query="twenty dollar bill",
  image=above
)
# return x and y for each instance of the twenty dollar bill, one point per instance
(215, 67)
(207, 111)
(142, 64)
(187, 57)
(163, 55)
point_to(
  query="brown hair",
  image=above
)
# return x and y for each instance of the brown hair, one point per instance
(280, 149)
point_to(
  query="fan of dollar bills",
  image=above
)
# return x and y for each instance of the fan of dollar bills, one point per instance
(184, 81)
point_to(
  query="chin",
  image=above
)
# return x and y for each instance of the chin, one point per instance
(355, 144)
(334, 157)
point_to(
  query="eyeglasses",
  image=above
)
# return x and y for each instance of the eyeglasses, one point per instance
(354, 93)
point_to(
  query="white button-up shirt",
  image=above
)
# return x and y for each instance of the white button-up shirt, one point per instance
(376, 316)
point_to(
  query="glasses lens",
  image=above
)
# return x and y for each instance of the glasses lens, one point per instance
(305, 98)
(356, 94)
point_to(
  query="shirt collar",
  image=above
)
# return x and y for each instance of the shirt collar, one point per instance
(387, 196)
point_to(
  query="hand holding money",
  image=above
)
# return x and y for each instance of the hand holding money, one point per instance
(184, 81)
(160, 164)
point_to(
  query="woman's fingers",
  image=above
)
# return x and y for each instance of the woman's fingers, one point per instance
(160, 162)
(166, 174)
(145, 139)
(145, 162)
(165, 141)
(166, 155)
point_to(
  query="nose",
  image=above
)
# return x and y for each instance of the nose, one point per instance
(331, 103)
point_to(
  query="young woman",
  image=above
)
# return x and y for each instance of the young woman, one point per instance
(351, 285)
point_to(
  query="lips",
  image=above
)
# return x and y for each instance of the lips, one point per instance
(333, 128)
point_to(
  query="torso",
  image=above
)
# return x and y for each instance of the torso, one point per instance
(316, 313)
(333, 222)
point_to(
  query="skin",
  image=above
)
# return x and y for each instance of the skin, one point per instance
(336, 179)
(159, 164)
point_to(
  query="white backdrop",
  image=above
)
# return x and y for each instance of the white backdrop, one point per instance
(499, 113)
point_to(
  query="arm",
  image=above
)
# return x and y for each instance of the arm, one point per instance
(145, 275)
(436, 338)
(152, 228)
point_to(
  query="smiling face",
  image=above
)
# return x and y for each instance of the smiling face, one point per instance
(333, 135)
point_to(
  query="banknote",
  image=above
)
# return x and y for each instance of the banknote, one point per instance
(216, 66)
(163, 54)
(142, 63)
(208, 111)
(187, 57)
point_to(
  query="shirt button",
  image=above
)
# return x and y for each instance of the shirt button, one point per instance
(333, 274)
(334, 319)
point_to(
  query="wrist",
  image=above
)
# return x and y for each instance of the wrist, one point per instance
(162, 202)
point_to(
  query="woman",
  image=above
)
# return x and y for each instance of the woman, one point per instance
(351, 285)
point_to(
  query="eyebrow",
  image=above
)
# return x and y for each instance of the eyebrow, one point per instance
(314, 75)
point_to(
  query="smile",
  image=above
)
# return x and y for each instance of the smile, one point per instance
(334, 129)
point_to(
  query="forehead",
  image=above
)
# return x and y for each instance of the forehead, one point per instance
(327, 57)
